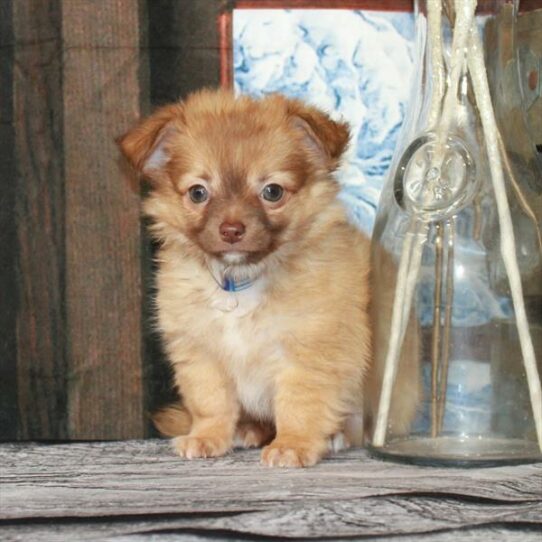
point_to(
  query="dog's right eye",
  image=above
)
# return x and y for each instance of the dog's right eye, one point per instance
(198, 193)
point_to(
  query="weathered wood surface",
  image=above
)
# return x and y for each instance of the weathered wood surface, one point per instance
(138, 488)
(475, 535)
(8, 233)
(183, 43)
(35, 89)
(102, 96)
(70, 256)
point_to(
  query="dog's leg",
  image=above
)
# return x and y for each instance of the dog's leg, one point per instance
(252, 434)
(209, 397)
(307, 414)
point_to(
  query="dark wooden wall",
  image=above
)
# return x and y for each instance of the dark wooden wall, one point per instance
(8, 233)
(78, 359)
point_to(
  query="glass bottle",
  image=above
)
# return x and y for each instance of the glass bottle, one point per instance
(457, 254)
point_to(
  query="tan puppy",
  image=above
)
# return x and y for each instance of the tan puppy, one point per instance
(262, 283)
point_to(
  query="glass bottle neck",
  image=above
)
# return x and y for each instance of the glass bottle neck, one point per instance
(443, 40)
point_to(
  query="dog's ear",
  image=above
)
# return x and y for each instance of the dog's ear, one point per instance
(327, 139)
(146, 146)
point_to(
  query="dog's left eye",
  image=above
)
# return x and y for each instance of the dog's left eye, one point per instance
(272, 192)
(198, 193)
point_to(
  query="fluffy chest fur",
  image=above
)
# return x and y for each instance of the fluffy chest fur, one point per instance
(238, 331)
(248, 346)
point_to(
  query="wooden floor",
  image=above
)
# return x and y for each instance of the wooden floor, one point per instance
(139, 491)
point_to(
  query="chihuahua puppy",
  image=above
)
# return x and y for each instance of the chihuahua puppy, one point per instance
(262, 286)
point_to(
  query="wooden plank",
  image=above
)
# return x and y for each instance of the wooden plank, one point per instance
(138, 487)
(286, 524)
(184, 48)
(8, 232)
(101, 82)
(39, 208)
(143, 477)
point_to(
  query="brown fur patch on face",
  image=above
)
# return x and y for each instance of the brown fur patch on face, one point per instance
(234, 148)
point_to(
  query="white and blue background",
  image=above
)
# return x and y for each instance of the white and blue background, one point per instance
(355, 64)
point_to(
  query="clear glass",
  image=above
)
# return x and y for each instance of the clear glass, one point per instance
(457, 253)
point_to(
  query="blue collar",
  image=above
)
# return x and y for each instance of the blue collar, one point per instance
(230, 285)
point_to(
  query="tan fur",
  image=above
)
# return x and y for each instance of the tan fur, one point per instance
(290, 353)
(172, 420)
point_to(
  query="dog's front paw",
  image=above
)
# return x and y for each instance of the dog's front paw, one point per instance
(192, 447)
(286, 454)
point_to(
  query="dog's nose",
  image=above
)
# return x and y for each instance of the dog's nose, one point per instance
(232, 232)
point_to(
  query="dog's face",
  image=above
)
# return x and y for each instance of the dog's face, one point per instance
(236, 178)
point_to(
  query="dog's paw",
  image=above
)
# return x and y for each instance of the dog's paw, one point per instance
(191, 447)
(278, 454)
(252, 435)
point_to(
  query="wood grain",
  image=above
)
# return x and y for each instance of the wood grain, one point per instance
(39, 212)
(334, 521)
(8, 232)
(184, 44)
(101, 89)
(139, 487)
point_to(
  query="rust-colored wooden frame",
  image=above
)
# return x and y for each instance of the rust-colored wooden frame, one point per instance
(225, 23)
(225, 20)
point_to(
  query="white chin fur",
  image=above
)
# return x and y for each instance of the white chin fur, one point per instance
(234, 257)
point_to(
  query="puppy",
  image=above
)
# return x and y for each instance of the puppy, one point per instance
(262, 285)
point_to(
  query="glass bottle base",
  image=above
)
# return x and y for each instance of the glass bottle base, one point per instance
(459, 451)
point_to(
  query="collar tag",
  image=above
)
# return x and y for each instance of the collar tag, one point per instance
(230, 285)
